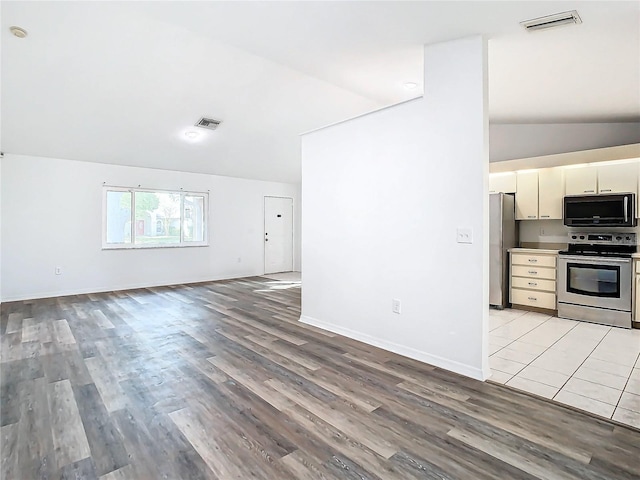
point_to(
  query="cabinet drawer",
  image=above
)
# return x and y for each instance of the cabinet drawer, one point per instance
(536, 260)
(533, 272)
(533, 298)
(534, 284)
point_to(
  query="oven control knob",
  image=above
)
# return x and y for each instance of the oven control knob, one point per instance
(574, 236)
(581, 237)
(620, 238)
(628, 238)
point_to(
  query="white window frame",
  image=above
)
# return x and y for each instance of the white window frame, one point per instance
(132, 245)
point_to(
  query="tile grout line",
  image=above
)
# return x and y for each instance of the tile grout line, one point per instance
(571, 376)
(625, 384)
(544, 351)
(518, 338)
(547, 349)
(615, 407)
(526, 333)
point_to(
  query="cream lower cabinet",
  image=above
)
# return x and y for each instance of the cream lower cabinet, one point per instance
(636, 293)
(636, 312)
(533, 279)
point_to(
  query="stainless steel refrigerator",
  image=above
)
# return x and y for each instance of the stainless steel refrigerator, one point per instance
(503, 235)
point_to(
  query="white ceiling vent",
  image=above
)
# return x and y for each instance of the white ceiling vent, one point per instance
(209, 123)
(556, 20)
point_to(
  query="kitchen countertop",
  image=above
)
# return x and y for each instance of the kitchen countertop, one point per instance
(535, 250)
(538, 247)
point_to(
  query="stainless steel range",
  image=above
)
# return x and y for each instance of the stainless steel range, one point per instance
(595, 276)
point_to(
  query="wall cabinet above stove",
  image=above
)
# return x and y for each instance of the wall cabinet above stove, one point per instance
(618, 178)
(539, 192)
(581, 180)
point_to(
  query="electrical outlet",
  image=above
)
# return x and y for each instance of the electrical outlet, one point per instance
(396, 306)
(464, 235)
(58, 270)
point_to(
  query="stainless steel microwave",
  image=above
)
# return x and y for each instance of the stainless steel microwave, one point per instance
(611, 210)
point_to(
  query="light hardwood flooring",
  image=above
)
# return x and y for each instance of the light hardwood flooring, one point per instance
(219, 381)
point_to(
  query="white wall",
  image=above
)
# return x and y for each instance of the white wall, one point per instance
(52, 216)
(511, 141)
(1, 159)
(297, 228)
(383, 195)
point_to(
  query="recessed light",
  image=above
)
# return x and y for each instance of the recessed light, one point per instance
(18, 32)
(410, 85)
(192, 135)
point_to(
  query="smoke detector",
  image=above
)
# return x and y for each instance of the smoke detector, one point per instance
(210, 123)
(550, 21)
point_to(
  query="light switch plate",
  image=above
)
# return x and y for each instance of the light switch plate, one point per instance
(464, 235)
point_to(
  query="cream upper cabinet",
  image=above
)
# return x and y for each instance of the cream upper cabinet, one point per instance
(527, 195)
(502, 182)
(581, 180)
(550, 193)
(618, 178)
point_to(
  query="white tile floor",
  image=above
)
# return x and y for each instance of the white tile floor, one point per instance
(284, 276)
(589, 366)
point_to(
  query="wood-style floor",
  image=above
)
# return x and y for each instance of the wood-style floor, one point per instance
(219, 380)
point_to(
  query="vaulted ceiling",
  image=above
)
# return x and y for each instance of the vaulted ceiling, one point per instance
(122, 82)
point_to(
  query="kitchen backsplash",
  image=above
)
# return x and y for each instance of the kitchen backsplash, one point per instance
(554, 231)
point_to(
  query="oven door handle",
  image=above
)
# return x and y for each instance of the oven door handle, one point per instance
(595, 261)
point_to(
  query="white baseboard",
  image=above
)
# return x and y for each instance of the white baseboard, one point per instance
(115, 288)
(451, 365)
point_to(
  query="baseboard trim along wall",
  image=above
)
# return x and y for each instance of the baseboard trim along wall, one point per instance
(412, 353)
(119, 288)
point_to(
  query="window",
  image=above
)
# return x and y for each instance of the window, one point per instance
(136, 218)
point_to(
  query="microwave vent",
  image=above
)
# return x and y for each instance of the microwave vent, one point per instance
(550, 21)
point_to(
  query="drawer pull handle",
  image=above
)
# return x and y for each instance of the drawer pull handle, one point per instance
(544, 216)
(533, 284)
(532, 272)
(589, 191)
(534, 299)
(531, 216)
(605, 190)
(533, 260)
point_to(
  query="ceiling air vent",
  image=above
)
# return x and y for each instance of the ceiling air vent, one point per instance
(556, 20)
(209, 123)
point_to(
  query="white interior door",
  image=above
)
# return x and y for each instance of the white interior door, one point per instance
(278, 234)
